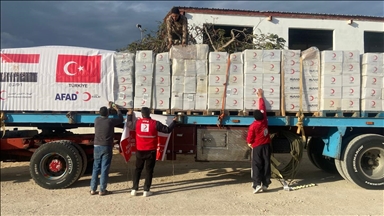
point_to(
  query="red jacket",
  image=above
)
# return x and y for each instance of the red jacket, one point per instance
(146, 134)
(258, 133)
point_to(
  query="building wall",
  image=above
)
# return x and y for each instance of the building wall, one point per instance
(345, 37)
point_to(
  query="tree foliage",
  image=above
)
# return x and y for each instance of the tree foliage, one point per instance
(217, 39)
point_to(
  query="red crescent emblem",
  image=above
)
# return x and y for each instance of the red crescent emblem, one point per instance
(352, 78)
(373, 103)
(312, 63)
(234, 67)
(292, 106)
(254, 66)
(217, 90)
(293, 54)
(89, 96)
(218, 67)
(272, 66)
(235, 90)
(332, 91)
(234, 78)
(234, 56)
(373, 92)
(123, 79)
(312, 98)
(374, 80)
(254, 78)
(254, 54)
(375, 57)
(162, 90)
(293, 62)
(217, 101)
(333, 67)
(351, 91)
(350, 103)
(254, 90)
(124, 88)
(144, 54)
(145, 78)
(160, 56)
(272, 54)
(351, 54)
(272, 90)
(254, 102)
(144, 67)
(334, 55)
(125, 104)
(161, 102)
(293, 71)
(333, 79)
(218, 56)
(350, 67)
(271, 102)
(217, 78)
(142, 102)
(235, 102)
(375, 70)
(332, 102)
(272, 78)
(144, 90)
(162, 79)
(161, 68)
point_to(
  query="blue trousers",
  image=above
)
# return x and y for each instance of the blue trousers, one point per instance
(102, 162)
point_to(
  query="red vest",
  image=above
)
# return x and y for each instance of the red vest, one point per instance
(146, 134)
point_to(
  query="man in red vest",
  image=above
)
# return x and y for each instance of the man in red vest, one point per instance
(259, 140)
(146, 145)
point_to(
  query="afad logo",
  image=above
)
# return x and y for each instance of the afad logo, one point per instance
(85, 96)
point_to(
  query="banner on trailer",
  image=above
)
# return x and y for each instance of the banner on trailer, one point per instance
(128, 137)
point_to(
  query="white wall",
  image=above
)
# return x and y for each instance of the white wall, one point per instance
(345, 37)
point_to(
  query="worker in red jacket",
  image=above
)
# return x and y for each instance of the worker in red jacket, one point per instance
(146, 145)
(259, 140)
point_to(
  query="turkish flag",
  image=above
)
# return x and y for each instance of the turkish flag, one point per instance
(78, 69)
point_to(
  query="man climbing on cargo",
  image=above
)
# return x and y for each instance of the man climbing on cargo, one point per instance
(103, 145)
(177, 28)
(146, 144)
(258, 140)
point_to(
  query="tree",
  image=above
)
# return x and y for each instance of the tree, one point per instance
(217, 39)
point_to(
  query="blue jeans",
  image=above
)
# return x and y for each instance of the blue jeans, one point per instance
(102, 162)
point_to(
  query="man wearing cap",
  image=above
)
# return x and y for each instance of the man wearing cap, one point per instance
(177, 28)
(258, 140)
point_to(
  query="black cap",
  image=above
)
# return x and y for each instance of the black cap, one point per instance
(175, 10)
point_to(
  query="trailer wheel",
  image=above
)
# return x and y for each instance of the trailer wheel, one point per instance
(364, 161)
(56, 165)
(83, 157)
(339, 162)
(315, 153)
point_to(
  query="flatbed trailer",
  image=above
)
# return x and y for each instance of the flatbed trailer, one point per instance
(352, 146)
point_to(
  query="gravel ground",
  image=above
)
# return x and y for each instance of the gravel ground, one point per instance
(186, 187)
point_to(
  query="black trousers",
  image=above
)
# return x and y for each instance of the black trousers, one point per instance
(261, 165)
(147, 158)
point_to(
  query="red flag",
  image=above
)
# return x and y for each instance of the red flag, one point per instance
(128, 144)
(19, 58)
(78, 69)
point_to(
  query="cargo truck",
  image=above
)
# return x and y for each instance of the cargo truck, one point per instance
(50, 99)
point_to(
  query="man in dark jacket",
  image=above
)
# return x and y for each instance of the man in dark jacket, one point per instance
(177, 28)
(259, 140)
(146, 145)
(103, 145)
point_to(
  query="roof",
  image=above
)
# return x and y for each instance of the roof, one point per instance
(184, 10)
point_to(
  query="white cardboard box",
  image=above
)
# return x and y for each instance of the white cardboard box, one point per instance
(351, 68)
(177, 101)
(124, 69)
(271, 91)
(291, 54)
(271, 67)
(162, 91)
(160, 102)
(252, 55)
(310, 81)
(251, 91)
(218, 57)
(253, 79)
(162, 68)
(143, 79)
(143, 68)
(330, 104)
(236, 69)
(271, 104)
(331, 81)
(271, 55)
(178, 67)
(350, 104)
(201, 101)
(331, 92)
(201, 67)
(190, 66)
(143, 91)
(371, 93)
(202, 51)
(214, 103)
(189, 84)
(372, 69)
(188, 101)
(291, 71)
(271, 79)
(236, 57)
(163, 58)
(144, 56)
(216, 91)
(351, 80)
(253, 67)
(235, 79)
(124, 79)
(202, 84)
(217, 68)
(177, 88)
(140, 102)
(235, 91)
(371, 105)
(331, 56)
(335, 68)
(369, 58)
(216, 80)
(127, 103)
(162, 80)
(234, 103)
(126, 88)
(350, 92)
(372, 81)
(352, 56)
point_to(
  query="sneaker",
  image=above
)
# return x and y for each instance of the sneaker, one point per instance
(258, 189)
(264, 188)
(147, 193)
(133, 192)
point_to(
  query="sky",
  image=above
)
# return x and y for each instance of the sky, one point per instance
(111, 25)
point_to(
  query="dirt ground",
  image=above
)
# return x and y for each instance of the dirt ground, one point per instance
(186, 187)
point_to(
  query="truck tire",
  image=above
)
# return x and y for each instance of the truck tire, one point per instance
(56, 165)
(339, 162)
(315, 153)
(363, 161)
(310, 156)
(83, 157)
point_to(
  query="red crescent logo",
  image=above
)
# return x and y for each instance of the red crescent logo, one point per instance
(292, 106)
(351, 90)
(375, 70)
(144, 67)
(234, 101)
(272, 90)
(218, 67)
(89, 96)
(217, 90)
(254, 78)
(272, 78)
(254, 66)
(334, 55)
(373, 103)
(333, 79)
(333, 67)
(161, 102)
(350, 67)
(352, 79)
(234, 78)
(271, 102)
(350, 103)
(144, 90)
(218, 56)
(235, 67)
(293, 71)
(234, 56)
(1, 98)
(272, 66)
(160, 56)
(162, 90)
(332, 91)
(124, 88)
(254, 102)
(312, 63)
(332, 102)
(373, 92)
(374, 80)
(145, 78)
(142, 102)
(351, 54)
(217, 101)
(161, 68)
(292, 62)
(217, 78)
(293, 54)
(123, 79)
(254, 90)
(312, 98)
(125, 104)
(144, 54)
(272, 54)
(254, 54)
(235, 90)
(162, 79)
(375, 57)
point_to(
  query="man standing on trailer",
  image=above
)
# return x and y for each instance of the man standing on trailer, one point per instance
(146, 144)
(259, 140)
(177, 28)
(103, 145)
